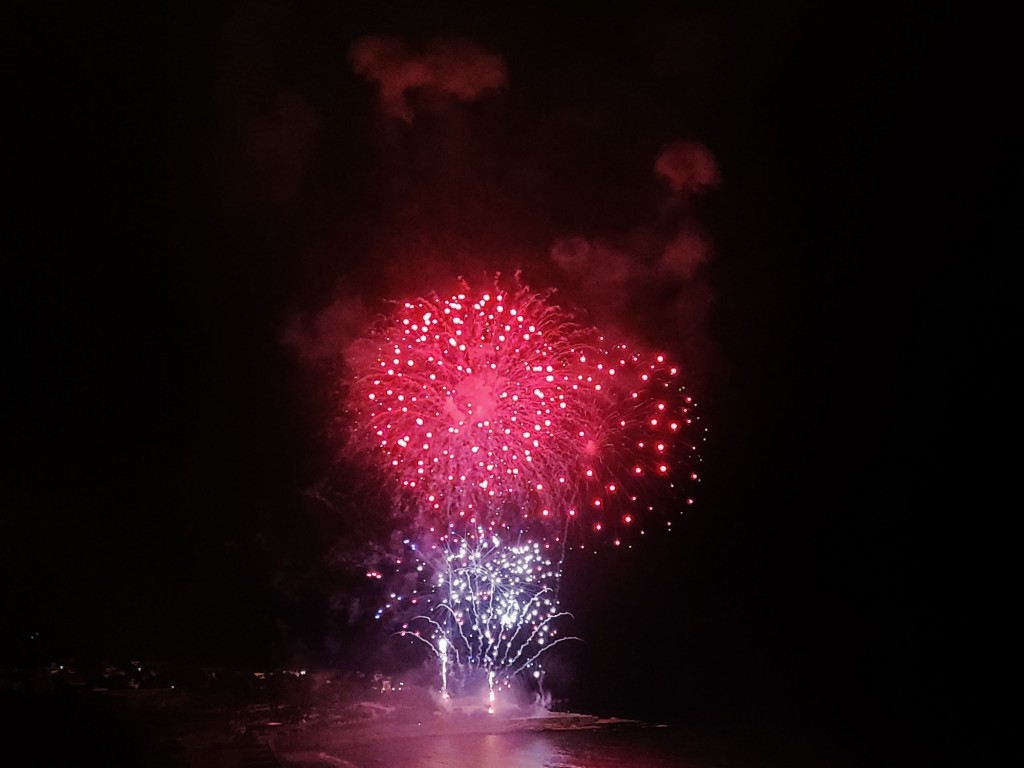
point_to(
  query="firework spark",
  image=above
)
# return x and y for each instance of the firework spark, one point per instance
(487, 609)
(496, 408)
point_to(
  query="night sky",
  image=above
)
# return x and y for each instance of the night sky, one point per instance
(207, 201)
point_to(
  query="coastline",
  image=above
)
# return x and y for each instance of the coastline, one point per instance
(322, 742)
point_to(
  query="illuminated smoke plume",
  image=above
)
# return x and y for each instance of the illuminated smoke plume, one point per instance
(324, 335)
(687, 166)
(459, 68)
(684, 254)
(654, 270)
(494, 408)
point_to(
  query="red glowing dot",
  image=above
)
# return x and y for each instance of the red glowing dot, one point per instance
(627, 519)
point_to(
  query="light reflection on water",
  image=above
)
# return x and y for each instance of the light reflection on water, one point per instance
(634, 749)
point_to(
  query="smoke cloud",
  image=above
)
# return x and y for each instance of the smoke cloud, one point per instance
(324, 336)
(653, 272)
(687, 166)
(684, 254)
(459, 68)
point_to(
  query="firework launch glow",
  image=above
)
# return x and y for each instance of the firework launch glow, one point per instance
(494, 416)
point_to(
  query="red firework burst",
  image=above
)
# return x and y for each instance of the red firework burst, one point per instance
(497, 409)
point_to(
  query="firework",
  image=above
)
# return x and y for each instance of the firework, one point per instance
(487, 609)
(500, 426)
(497, 409)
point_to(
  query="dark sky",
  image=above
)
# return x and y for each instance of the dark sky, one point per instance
(206, 198)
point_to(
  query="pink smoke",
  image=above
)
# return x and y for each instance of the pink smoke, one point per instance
(456, 67)
(687, 166)
(326, 335)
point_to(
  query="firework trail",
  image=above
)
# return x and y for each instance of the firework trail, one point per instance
(486, 608)
(496, 409)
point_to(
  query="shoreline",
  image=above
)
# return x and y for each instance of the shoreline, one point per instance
(321, 742)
